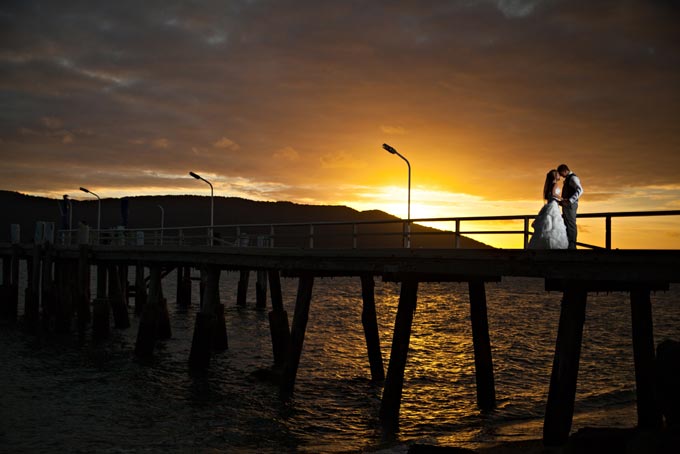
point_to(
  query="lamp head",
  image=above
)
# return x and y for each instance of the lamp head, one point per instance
(195, 175)
(389, 149)
(84, 190)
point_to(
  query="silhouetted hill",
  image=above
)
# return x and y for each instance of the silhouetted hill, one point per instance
(189, 210)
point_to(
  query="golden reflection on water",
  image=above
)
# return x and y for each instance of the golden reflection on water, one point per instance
(335, 406)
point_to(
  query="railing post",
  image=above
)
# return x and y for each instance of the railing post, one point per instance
(457, 233)
(526, 232)
(407, 234)
(608, 232)
(271, 236)
(354, 236)
(311, 236)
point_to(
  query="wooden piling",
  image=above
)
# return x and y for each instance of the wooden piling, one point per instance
(202, 285)
(486, 392)
(164, 326)
(203, 340)
(6, 301)
(649, 416)
(297, 334)
(32, 299)
(13, 292)
(562, 393)
(6, 270)
(394, 382)
(117, 299)
(186, 281)
(183, 286)
(123, 275)
(101, 280)
(48, 300)
(101, 324)
(5, 288)
(140, 289)
(64, 276)
(261, 289)
(278, 320)
(369, 321)
(242, 290)
(220, 338)
(83, 289)
(147, 332)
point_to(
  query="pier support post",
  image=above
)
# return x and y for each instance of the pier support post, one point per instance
(649, 416)
(278, 320)
(147, 333)
(220, 337)
(101, 306)
(100, 318)
(186, 285)
(297, 334)
(10, 279)
(261, 290)
(486, 392)
(83, 290)
(123, 275)
(242, 290)
(65, 274)
(5, 289)
(164, 330)
(117, 298)
(101, 280)
(13, 303)
(48, 300)
(369, 321)
(394, 382)
(140, 289)
(183, 286)
(203, 340)
(32, 300)
(180, 294)
(559, 411)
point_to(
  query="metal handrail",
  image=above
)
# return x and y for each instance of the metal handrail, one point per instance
(242, 238)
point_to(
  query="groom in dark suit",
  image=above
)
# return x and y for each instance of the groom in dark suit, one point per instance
(571, 191)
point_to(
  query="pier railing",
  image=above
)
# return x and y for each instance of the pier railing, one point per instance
(339, 234)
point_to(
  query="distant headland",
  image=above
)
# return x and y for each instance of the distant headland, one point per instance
(192, 210)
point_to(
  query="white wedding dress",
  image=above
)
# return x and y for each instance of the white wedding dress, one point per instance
(550, 232)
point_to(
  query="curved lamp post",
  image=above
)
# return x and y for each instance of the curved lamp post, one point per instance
(212, 204)
(99, 209)
(408, 225)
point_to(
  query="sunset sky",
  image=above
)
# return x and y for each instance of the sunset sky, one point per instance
(292, 100)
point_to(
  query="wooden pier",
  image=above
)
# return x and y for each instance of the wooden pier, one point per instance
(58, 287)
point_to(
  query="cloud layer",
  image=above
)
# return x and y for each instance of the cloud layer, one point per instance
(293, 99)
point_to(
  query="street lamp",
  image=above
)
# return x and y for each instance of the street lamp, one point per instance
(408, 225)
(162, 222)
(212, 203)
(99, 208)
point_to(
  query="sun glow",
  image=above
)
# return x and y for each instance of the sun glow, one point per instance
(431, 204)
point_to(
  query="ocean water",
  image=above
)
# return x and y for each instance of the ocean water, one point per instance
(63, 395)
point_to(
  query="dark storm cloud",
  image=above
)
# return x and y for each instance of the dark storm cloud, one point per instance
(143, 86)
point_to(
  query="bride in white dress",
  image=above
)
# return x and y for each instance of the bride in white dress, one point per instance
(550, 232)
